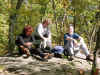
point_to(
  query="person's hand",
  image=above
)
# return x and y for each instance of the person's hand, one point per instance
(26, 50)
(44, 38)
(69, 38)
(21, 46)
(75, 42)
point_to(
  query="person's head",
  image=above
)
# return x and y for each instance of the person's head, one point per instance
(46, 23)
(28, 30)
(71, 29)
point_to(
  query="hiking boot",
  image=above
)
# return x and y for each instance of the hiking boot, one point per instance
(89, 58)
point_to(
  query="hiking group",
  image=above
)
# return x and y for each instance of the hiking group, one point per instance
(38, 42)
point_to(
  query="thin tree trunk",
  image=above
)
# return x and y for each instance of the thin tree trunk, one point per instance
(74, 19)
(63, 20)
(62, 27)
(90, 34)
(96, 48)
(54, 7)
(94, 69)
(55, 17)
(12, 19)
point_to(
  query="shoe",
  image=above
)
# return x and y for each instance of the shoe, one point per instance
(43, 59)
(50, 56)
(71, 58)
(58, 55)
(89, 58)
(25, 56)
(46, 56)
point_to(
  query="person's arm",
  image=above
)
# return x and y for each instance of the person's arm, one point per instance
(72, 39)
(19, 41)
(78, 37)
(22, 47)
(66, 37)
(39, 29)
(81, 40)
(49, 35)
(22, 43)
(33, 39)
(69, 38)
(26, 50)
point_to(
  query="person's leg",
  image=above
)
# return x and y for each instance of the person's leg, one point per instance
(38, 51)
(49, 43)
(84, 48)
(69, 47)
(23, 53)
(43, 44)
(48, 47)
(44, 55)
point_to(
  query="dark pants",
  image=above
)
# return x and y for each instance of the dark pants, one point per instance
(36, 51)
(49, 45)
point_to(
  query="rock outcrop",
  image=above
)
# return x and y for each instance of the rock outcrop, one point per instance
(54, 66)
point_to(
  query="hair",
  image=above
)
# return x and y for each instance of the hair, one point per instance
(71, 25)
(27, 28)
(45, 21)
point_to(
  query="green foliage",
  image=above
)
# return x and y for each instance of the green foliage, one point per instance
(62, 14)
(3, 26)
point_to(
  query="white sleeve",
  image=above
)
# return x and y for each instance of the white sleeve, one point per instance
(81, 40)
(49, 35)
(40, 30)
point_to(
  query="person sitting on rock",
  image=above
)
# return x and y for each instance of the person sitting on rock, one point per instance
(71, 43)
(26, 43)
(43, 33)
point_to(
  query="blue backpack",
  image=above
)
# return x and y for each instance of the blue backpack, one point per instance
(58, 49)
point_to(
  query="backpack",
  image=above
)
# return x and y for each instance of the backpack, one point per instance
(58, 49)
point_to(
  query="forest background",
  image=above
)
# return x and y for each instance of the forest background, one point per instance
(83, 14)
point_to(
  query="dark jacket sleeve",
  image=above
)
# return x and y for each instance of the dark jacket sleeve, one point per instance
(19, 41)
(33, 39)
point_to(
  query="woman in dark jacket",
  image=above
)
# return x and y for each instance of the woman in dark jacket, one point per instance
(26, 43)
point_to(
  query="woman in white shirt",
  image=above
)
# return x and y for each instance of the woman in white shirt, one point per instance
(44, 34)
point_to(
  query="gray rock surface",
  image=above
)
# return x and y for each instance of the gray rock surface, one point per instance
(54, 66)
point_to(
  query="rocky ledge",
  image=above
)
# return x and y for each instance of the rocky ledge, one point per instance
(54, 66)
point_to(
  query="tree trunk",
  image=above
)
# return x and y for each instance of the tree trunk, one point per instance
(94, 70)
(55, 17)
(74, 22)
(54, 7)
(12, 19)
